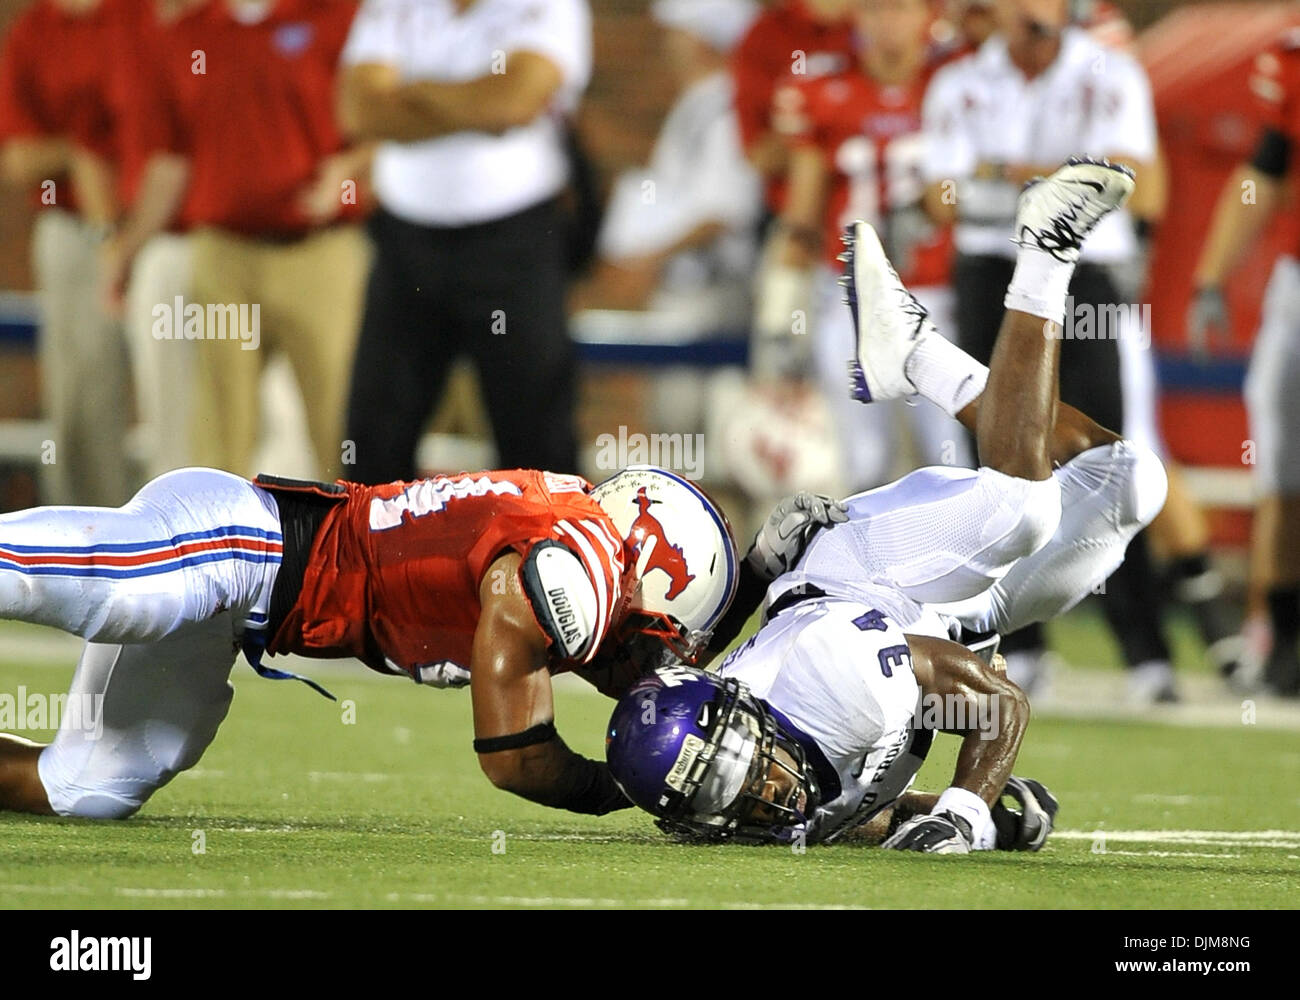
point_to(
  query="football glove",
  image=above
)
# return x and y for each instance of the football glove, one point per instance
(937, 833)
(1026, 827)
(785, 533)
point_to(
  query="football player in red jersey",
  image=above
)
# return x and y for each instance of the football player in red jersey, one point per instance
(857, 154)
(495, 580)
(1250, 197)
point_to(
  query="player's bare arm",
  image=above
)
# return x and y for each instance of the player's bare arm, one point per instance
(950, 671)
(514, 713)
(375, 104)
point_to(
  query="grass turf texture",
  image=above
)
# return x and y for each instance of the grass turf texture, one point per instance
(295, 808)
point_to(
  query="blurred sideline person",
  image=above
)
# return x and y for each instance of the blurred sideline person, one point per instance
(56, 140)
(1272, 403)
(856, 153)
(466, 99)
(790, 40)
(844, 681)
(138, 278)
(678, 235)
(804, 38)
(252, 161)
(1179, 537)
(1040, 89)
(679, 239)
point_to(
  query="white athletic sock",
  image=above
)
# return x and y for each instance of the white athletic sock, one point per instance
(944, 374)
(1039, 285)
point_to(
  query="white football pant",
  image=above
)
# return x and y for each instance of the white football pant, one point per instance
(163, 590)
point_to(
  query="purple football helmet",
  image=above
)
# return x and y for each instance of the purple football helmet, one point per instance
(694, 749)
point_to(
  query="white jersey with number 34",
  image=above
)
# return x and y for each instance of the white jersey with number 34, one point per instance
(840, 671)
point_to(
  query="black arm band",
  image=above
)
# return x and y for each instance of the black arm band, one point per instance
(1273, 154)
(531, 736)
(749, 595)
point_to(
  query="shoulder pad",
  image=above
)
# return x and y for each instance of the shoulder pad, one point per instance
(562, 596)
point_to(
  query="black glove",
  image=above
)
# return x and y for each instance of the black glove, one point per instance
(944, 833)
(1025, 828)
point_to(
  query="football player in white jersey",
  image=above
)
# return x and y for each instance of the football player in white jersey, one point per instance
(818, 723)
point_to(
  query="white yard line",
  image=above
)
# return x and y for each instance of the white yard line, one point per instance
(1289, 839)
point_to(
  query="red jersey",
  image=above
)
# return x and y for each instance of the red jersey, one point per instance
(870, 136)
(783, 41)
(1276, 84)
(53, 72)
(252, 107)
(148, 53)
(394, 571)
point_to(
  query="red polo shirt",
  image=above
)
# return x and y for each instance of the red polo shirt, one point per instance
(53, 70)
(252, 107)
(143, 49)
(768, 55)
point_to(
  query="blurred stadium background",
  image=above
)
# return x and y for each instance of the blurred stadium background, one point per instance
(678, 370)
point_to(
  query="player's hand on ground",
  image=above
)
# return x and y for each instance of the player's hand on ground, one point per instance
(1207, 320)
(1025, 824)
(944, 833)
(785, 533)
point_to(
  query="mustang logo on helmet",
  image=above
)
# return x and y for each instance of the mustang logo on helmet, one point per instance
(671, 525)
(647, 535)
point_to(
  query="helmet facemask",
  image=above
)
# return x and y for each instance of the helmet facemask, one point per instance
(719, 794)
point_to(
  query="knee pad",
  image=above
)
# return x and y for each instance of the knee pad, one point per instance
(99, 797)
(1148, 482)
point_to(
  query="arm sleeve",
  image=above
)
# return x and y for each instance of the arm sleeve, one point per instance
(749, 596)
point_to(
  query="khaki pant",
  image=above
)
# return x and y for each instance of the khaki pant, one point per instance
(164, 378)
(308, 296)
(84, 369)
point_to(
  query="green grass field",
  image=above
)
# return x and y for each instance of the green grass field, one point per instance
(294, 808)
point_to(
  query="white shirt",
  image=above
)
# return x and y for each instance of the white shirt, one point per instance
(697, 174)
(1092, 101)
(472, 177)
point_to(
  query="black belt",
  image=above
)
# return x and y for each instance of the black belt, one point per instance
(302, 511)
(801, 592)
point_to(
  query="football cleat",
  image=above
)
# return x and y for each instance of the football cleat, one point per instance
(1055, 214)
(888, 322)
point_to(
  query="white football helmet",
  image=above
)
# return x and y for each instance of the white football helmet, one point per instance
(682, 554)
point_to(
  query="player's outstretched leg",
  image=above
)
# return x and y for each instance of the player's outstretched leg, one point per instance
(899, 352)
(164, 589)
(188, 545)
(942, 535)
